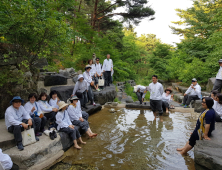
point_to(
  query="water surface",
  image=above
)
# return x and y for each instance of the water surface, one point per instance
(132, 140)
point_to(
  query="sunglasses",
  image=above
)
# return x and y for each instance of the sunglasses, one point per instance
(97, 60)
(193, 81)
(203, 102)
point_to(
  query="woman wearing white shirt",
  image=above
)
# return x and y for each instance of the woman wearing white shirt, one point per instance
(93, 74)
(218, 107)
(65, 125)
(34, 110)
(166, 99)
(54, 100)
(48, 111)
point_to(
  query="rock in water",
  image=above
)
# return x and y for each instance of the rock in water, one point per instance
(53, 80)
(112, 110)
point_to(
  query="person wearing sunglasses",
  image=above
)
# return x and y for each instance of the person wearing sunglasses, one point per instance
(192, 93)
(204, 126)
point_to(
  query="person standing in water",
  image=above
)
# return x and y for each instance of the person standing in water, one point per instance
(156, 91)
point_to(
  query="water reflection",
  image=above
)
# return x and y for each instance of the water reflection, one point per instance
(131, 140)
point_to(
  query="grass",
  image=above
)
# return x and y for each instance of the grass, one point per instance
(117, 100)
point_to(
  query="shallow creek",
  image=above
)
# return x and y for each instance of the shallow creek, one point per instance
(132, 140)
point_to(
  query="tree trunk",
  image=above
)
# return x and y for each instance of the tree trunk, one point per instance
(95, 14)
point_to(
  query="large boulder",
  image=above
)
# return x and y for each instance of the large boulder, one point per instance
(64, 92)
(198, 106)
(210, 84)
(53, 80)
(207, 153)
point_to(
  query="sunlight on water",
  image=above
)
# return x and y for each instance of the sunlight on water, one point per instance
(131, 140)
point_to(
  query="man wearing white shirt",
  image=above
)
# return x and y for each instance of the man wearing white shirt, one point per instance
(156, 91)
(107, 68)
(218, 82)
(141, 93)
(17, 119)
(192, 93)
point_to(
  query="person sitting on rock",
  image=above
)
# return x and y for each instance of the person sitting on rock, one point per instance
(93, 74)
(141, 93)
(107, 69)
(166, 99)
(17, 119)
(54, 99)
(65, 125)
(48, 111)
(6, 162)
(192, 93)
(213, 94)
(34, 110)
(218, 107)
(98, 70)
(218, 82)
(80, 90)
(90, 83)
(75, 115)
(204, 126)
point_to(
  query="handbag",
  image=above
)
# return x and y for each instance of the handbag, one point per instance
(101, 82)
(28, 137)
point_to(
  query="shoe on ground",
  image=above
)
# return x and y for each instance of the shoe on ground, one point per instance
(38, 134)
(36, 138)
(20, 146)
(186, 106)
(51, 135)
(182, 104)
(54, 133)
(94, 104)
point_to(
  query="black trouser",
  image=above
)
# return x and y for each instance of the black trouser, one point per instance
(83, 125)
(83, 97)
(85, 115)
(187, 99)
(73, 133)
(217, 85)
(107, 78)
(217, 117)
(39, 123)
(14, 167)
(139, 95)
(165, 105)
(90, 94)
(156, 106)
(50, 116)
(17, 129)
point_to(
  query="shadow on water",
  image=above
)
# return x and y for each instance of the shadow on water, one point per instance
(131, 140)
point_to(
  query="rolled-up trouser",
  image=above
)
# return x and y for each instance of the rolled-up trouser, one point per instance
(90, 94)
(156, 106)
(217, 85)
(165, 105)
(139, 95)
(83, 125)
(188, 98)
(73, 133)
(85, 115)
(50, 116)
(17, 129)
(107, 78)
(217, 117)
(83, 97)
(95, 79)
(39, 123)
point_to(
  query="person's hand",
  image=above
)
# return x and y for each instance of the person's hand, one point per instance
(71, 126)
(172, 96)
(185, 94)
(206, 137)
(41, 115)
(111, 69)
(33, 109)
(72, 95)
(192, 87)
(92, 83)
(25, 126)
(30, 122)
(81, 119)
(55, 110)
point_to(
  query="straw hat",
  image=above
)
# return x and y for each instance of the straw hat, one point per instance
(168, 89)
(87, 66)
(62, 104)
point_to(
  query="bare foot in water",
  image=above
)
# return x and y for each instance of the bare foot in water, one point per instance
(77, 147)
(161, 120)
(83, 142)
(94, 134)
(179, 149)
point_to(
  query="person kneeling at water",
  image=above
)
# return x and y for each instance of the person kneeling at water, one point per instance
(65, 125)
(141, 93)
(17, 119)
(205, 125)
(192, 93)
(75, 115)
(166, 98)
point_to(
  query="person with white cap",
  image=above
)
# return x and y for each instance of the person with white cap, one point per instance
(90, 83)
(80, 90)
(218, 82)
(192, 93)
(76, 117)
(141, 92)
(66, 126)
(107, 68)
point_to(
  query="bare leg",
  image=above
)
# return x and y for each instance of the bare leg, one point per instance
(186, 149)
(154, 113)
(180, 149)
(161, 118)
(93, 134)
(76, 145)
(167, 110)
(80, 139)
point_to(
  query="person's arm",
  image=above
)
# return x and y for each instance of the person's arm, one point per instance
(209, 117)
(207, 128)
(59, 120)
(111, 64)
(138, 88)
(44, 109)
(144, 94)
(161, 89)
(86, 78)
(188, 90)
(75, 88)
(72, 112)
(198, 90)
(104, 65)
(11, 119)
(25, 113)
(28, 109)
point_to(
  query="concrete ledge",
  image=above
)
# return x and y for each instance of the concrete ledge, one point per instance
(137, 105)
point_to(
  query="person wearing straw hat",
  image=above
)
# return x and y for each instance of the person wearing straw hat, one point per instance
(218, 82)
(192, 93)
(90, 83)
(141, 93)
(166, 99)
(17, 119)
(65, 125)
(75, 115)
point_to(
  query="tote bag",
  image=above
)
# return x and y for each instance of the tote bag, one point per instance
(101, 82)
(28, 137)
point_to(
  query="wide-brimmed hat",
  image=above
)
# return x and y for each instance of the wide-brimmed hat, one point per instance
(194, 79)
(220, 61)
(80, 76)
(62, 104)
(168, 89)
(73, 98)
(87, 66)
(16, 98)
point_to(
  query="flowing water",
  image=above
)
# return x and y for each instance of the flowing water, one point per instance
(132, 140)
